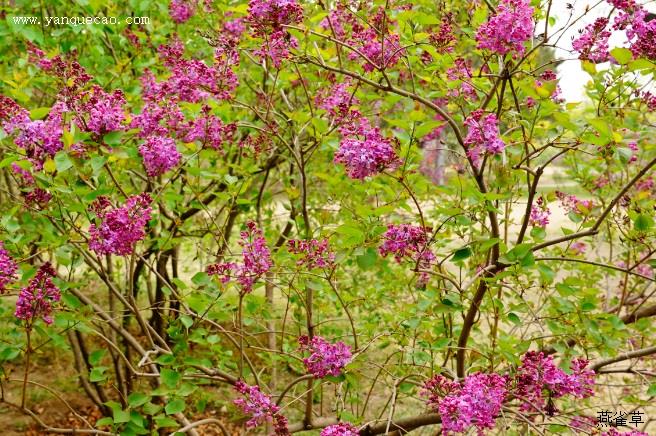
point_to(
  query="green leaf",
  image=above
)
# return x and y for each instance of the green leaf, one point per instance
(113, 138)
(170, 377)
(121, 416)
(461, 254)
(137, 399)
(652, 390)
(62, 161)
(39, 113)
(643, 222)
(175, 406)
(104, 421)
(622, 55)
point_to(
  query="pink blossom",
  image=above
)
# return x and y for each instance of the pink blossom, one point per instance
(461, 71)
(483, 135)
(538, 373)
(572, 204)
(381, 48)
(337, 100)
(325, 358)
(341, 429)
(578, 248)
(476, 402)
(273, 13)
(368, 156)
(592, 45)
(406, 240)
(37, 197)
(209, 130)
(8, 268)
(40, 139)
(159, 155)
(316, 254)
(182, 10)
(27, 179)
(507, 30)
(260, 408)
(120, 228)
(256, 260)
(105, 111)
(444, 39)
(276, 47)
(36, 300)
(539, 214)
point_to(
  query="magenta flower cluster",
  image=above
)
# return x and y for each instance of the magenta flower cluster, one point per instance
(539, 374)
(37, 299)
(379, 49)
(260, 408)
(341, 429)
(407, 241)
(105, 111)
(366, 152)
(40, 139)
(315, 253)
(592, 45)
(539, 216)
(508, 29)
(256, 260)
(267, 19)
(572, 204)
(325, 358)
(159, 155)
(182, 10)
(8, 268)
(120, 228)
(475, 402)
(482, 136)
(209, 130)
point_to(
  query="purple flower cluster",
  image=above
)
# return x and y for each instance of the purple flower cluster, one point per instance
(316, 254)
(120, 228)
(406, 240)
(366, 152)
(159, 155)
(37, 197)
(209, 130)
(8, 268)
(256, 260)
(539, 216)
(276, 47)
(482, 136)
(592, 45)
(337, 100)
(475, 402)
(192, 80)
(105, 111)
(260, 408)
(461, 71)
(508, 29)
(36, 300)
(444, 39)
(267, 19)
(538, 373)
(325, 358)
(381, 48)
(40, 139)
(182, 10)
(341, 429)
(572, 204)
